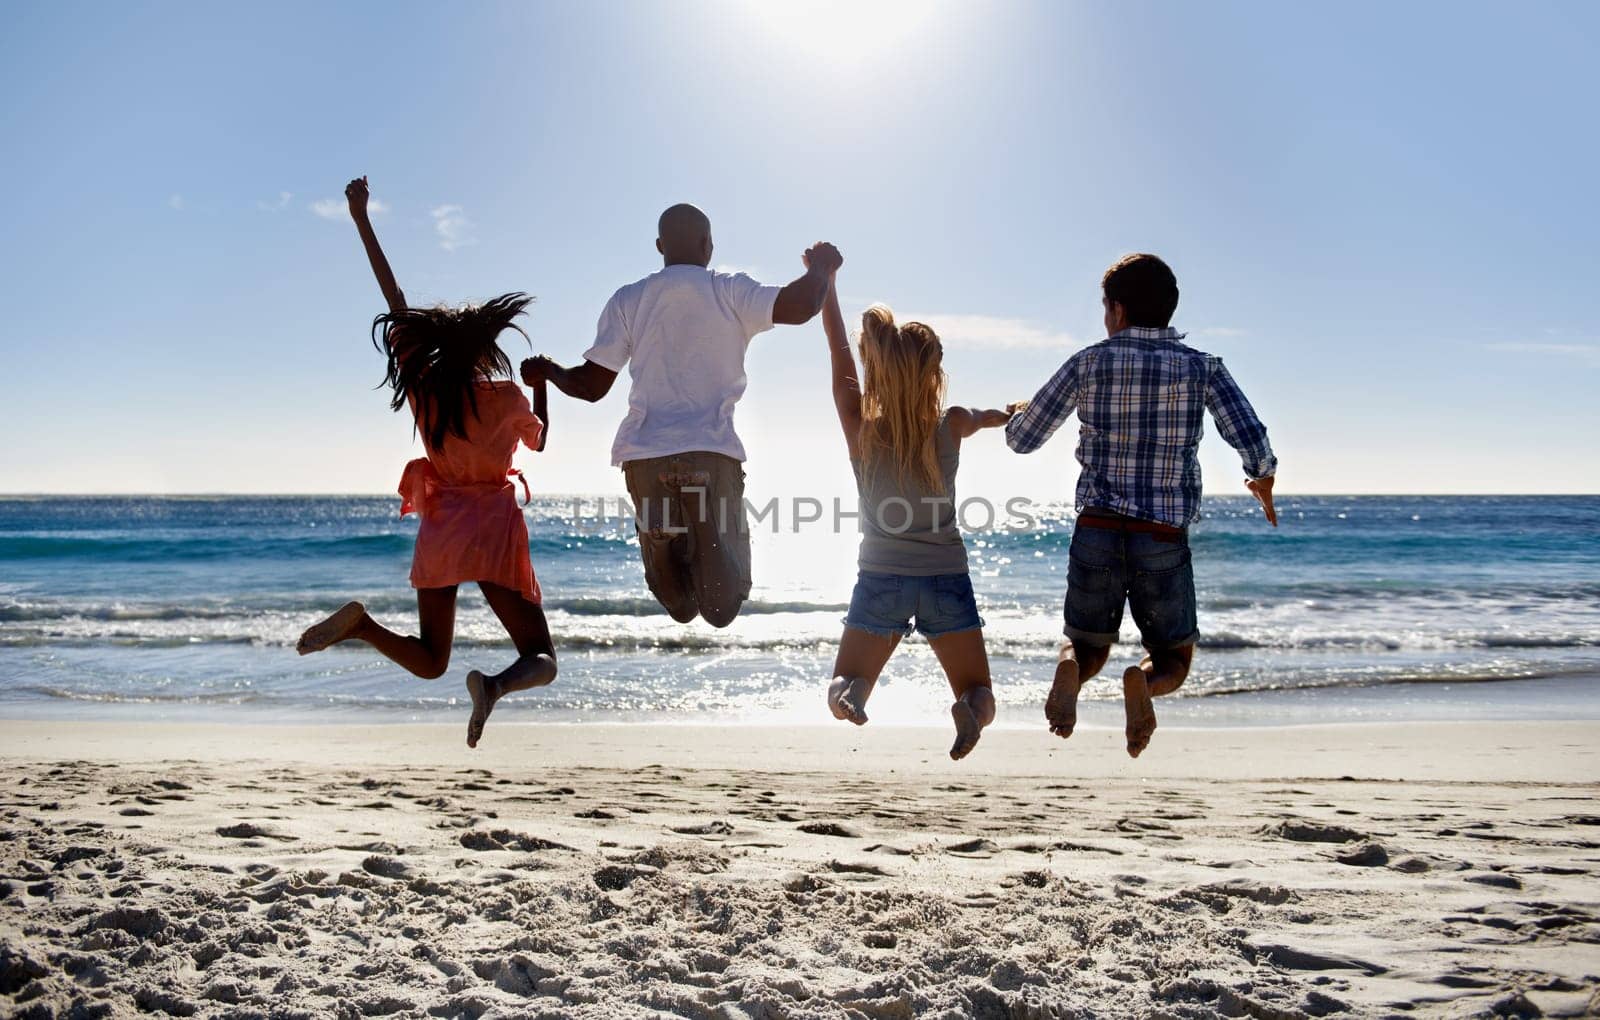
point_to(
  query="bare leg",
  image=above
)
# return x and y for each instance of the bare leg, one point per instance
(339, 626)
(1160, 673)
(426, 656)
(861, 658)
(966, 665)
(1074, 667)
(536, 656)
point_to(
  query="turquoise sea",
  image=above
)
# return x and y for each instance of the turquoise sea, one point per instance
(1355, 608)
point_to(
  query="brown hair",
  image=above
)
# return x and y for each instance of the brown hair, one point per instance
(902, 394)
(1145, 287)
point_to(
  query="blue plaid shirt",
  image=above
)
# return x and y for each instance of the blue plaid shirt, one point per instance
(1141, 398)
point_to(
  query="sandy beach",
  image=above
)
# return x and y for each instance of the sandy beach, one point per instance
(616, 871)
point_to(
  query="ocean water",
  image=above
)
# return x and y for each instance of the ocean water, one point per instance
(1355, 608)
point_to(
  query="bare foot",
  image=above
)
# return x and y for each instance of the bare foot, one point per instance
(528, 671)
(1061, 707)
(847, 699)
(334, 629)
(1141, 713)
(972, 712)
(484, 692)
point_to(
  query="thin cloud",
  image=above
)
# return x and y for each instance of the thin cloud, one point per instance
(453, 227)
(337, 208)
(175, 202)
(997, 333)
(280, 205)
(1583, 352)
(750, 271)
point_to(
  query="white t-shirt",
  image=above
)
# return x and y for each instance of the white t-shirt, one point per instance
(683, 332)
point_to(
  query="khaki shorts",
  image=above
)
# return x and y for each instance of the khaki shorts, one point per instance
(694, 537)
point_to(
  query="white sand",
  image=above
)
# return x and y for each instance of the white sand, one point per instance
(606, 871)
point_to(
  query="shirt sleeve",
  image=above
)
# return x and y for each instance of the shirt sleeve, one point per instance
(613, 342)
(751, 301)
(1237, 423)
(1051, 406)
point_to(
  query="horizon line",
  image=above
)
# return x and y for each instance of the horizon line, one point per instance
(623, 495)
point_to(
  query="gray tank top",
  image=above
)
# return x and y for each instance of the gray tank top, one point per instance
(906, 529)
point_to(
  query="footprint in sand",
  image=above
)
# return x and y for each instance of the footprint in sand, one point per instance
(1311, 832)
(615, 877)
(1367, 855)
(505, 839)
(388, 867)
(1244, 888)
(838, 829)
(716, 828)
(247, 830)
(857, 868)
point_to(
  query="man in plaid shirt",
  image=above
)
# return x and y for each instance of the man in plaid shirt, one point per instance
(1141, 398)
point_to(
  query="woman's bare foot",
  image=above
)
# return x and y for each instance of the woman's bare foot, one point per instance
(528, 671)
(847, 699)
(1061, 707)
(333, 630)
(972, 712)
(484, 692)
(1141, 713)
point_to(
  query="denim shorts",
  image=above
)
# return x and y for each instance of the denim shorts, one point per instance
(1152, 574)
(885, 604)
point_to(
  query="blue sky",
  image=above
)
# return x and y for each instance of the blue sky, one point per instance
(1382, 215)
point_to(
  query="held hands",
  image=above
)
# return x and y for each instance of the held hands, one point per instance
(356, 194)
(538, 370)
(823, 258)
(996, 418)
(1261, 489)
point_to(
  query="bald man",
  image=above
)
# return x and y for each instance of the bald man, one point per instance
(682, 332)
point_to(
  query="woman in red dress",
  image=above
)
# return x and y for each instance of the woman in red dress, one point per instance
(445, 365)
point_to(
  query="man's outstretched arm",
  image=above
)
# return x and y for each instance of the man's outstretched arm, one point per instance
(587, 381)
(801, 300)
(1037, 420)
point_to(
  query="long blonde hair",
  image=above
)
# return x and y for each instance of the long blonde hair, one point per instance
(902, 396)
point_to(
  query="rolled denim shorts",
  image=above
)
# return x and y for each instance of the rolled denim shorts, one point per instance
(885, 604)
(1151, 573)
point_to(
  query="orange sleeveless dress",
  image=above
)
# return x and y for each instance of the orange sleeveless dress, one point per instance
(471, 527)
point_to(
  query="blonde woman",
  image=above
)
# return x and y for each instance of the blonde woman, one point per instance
(904, 447)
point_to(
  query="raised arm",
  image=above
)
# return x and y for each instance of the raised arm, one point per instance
(801, 300)
(587, 381)
(846, 382)
(356, 194)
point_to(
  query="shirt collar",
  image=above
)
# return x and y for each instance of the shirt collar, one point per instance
(1149, 333)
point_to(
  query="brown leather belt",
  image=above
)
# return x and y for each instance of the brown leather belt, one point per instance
(1116, 522)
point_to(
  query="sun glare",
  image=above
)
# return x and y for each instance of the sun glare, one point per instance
(848, 29)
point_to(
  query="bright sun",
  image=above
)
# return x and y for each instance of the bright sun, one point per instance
(850, 29)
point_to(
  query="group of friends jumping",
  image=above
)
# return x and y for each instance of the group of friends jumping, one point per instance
(1140, 396)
